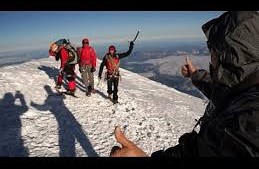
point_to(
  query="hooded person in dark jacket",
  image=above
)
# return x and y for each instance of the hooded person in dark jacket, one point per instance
(230, 124)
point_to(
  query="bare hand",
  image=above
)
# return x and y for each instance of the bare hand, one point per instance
(128, 149)
(188, 69)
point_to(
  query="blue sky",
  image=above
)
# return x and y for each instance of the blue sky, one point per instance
(37, 29)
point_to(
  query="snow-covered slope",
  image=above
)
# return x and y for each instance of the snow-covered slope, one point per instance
(34, 121)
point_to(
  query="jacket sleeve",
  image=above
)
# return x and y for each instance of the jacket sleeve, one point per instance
(123, 55)
(93, 56)
(101, 66)
(201, 79)
(64, 57)
(186, 147)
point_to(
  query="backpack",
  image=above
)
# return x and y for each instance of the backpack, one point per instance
(73, 57)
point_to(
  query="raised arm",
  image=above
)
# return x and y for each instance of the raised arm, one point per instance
(123, 55)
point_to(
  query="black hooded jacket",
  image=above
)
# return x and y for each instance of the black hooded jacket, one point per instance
(230, 124)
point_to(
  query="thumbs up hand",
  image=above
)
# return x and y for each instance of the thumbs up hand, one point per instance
(128, 149)
(188, 69)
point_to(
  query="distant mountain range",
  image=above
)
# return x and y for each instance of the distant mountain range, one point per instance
(164, 64)
(20, 56)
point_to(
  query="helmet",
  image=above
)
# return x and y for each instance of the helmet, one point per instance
(53, 47)
(85, 41)
(112, 48)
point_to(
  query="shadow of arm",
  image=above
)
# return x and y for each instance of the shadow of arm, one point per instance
(39, 107)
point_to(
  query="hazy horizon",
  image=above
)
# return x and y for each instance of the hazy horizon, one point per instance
(37, 29)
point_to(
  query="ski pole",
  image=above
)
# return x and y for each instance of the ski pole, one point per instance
(98, 83)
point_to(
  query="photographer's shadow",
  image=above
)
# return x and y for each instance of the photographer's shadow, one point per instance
(11, 143)
(68, 127)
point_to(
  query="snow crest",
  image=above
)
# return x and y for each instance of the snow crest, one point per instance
(36, 121)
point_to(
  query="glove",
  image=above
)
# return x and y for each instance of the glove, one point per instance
(93, 69)
(131, 43)
(188, 137)
(175, 152)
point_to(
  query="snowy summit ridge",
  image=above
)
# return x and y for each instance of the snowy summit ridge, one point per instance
(35, 121)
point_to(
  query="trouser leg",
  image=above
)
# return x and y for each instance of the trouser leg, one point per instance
(71, 84)
(115, 90)
(84, 74)
(109, 85)
(60, 79)
(91, 78)
(71, 79)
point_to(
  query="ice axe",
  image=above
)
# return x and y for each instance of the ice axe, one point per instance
(135, 37)
(98, 82)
